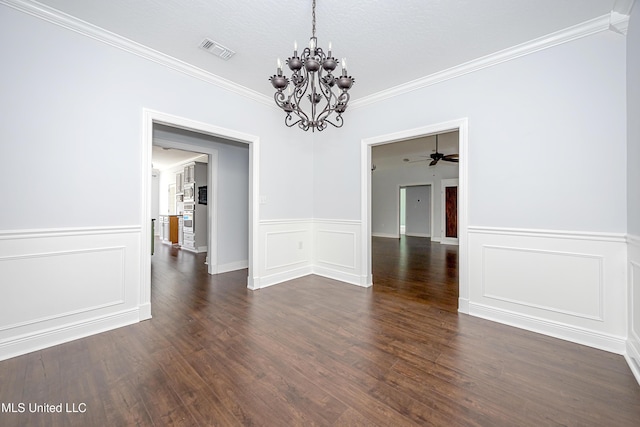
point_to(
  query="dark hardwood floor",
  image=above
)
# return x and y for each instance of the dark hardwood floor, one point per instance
(315, 351)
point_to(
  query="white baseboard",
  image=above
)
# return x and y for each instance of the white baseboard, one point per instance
(231, 266)
(448, 241)
(418, 234)
(281, 277)
(145, 311)
(28, 343)
(614, 344)
(386, 235)
(632, 356)
(352, 279)
(463, 305)
(197, 250)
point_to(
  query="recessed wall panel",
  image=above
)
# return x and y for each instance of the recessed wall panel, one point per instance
(336, 248)
(286, 248)
(569, 283)
(42, 286)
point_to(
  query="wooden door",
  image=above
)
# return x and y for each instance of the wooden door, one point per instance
(451, 212)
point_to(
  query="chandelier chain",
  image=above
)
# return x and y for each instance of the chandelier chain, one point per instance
(313, 19)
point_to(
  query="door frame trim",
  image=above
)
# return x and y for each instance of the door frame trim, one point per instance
(149, 117)
(461, 125)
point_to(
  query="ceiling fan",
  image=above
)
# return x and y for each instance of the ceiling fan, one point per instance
(437, 156)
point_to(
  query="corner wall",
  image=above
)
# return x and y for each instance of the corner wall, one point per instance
(633, 188)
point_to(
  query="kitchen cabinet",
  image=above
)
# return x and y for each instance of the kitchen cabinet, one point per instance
(189, 173)
(189, 242)
(173, 229)
(179, 182)
(169, 229)
(160, 225)
(196, 233)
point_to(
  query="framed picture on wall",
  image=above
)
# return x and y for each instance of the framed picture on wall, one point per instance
(202, 195)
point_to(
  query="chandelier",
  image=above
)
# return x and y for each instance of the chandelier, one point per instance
(314, 85)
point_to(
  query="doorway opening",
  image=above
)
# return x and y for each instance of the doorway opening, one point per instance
(152, 119)
(181, 198)
(369, 223)
(416, 210)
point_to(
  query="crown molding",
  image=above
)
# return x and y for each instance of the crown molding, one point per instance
(584, 29)
(616, 21)
(69, 22)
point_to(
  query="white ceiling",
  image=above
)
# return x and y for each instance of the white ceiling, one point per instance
(417, 151)
(164, 158)
(386, 43)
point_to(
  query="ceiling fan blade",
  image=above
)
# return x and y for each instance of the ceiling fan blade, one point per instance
(451, 158)
(433, 162)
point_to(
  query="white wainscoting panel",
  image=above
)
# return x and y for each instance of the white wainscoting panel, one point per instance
(31, 278)
(633, 339)
(287, 251)
(295, 248)
(60, 285)
(338, 251)
(515, 275)
(564, 284)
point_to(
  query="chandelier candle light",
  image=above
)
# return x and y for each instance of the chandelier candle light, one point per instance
(312, 76)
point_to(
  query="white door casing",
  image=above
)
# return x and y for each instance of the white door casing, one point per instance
(463, 197)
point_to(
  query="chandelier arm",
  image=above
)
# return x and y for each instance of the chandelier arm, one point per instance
(298, 96)
(288, 120)
(279, 97)
(344, 97)
(330, 106)
(338, 119)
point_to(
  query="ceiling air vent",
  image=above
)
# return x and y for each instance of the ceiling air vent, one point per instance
(217, 49)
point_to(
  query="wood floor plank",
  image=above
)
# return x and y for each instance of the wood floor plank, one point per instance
(314, 351)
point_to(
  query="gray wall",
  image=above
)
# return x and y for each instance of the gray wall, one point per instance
(418, 206)
(538, 126)
(73, 111)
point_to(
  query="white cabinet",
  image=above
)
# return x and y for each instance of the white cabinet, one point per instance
(195, 177)
(160, 225)
(189, 241)
(179, 182)
(189, 173)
